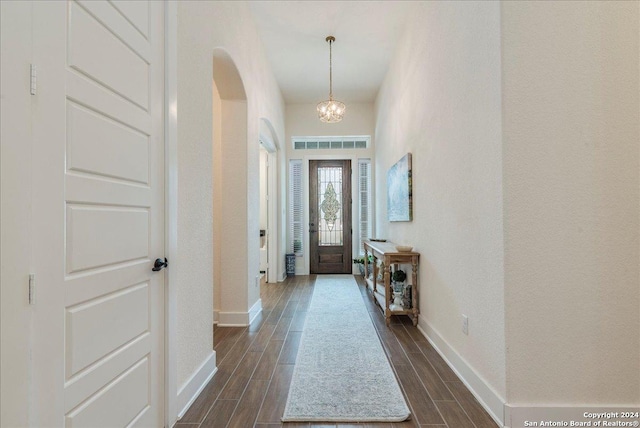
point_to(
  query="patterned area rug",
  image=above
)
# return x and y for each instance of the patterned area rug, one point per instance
(342, 373)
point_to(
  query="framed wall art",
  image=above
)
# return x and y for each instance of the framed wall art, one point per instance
(399, 195)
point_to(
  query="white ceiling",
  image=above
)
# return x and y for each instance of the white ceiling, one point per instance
(294, 32)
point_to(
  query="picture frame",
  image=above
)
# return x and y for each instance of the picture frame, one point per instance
(399, 190)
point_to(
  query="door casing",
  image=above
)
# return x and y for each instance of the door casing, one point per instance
(305, 267)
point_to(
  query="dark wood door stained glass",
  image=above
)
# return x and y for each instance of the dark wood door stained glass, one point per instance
(330, 216)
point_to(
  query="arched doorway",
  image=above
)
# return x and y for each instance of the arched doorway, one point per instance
(231, 271)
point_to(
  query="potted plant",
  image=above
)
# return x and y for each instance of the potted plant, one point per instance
(399, 276)
(360, 262)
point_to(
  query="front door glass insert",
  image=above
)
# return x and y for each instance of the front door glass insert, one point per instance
(330, 227)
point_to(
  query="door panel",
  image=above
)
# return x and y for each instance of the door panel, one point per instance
(122, 232)
(136, 12)
(330, 216)
(109, 59)
(100, 319)
(102, 146)
(118, 404)
(102, 186)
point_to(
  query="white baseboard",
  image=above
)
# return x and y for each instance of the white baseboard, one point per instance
(485, 394)
(255, 310)
(239, 319)
(216, 316)
(233, 319)
(196, 383)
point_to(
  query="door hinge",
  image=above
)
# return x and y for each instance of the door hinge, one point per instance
(33, 85)
(32, 289)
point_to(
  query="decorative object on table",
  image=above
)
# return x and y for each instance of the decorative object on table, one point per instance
(398, 277)
(404, 248)
(380, 276)
(406, 296)
(330, 111)
(399, 193)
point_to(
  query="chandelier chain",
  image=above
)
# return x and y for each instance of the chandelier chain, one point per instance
(330, 71)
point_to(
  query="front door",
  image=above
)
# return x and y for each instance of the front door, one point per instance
(98, 214)
(330, 216)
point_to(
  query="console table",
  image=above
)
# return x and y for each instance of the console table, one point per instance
(381, 290)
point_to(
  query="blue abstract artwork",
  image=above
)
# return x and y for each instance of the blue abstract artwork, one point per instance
(399, 203)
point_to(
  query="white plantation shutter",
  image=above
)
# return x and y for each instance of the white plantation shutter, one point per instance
(295, 207)
(364, 200)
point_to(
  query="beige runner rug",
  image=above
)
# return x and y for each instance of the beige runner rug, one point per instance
(342, 373)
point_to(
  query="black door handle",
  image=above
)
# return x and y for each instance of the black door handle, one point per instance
(159, 264)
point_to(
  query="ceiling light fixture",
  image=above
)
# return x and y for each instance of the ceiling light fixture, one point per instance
(330, 111)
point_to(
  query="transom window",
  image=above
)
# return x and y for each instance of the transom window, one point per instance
(324, 143)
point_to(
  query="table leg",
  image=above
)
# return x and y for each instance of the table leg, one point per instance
(415, 299)
(387, 291)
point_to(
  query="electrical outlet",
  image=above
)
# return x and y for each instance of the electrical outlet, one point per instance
(465, 324)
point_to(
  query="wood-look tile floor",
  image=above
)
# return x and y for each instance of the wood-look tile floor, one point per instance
(255, 365)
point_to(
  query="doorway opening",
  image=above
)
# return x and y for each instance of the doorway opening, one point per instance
(230, 210)
(269, 225)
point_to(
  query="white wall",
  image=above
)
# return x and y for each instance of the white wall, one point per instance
(571, 174)
(203, 27)
(441, 101)
(217, 196)
(554, 321)
(234, 291)
(302, 120)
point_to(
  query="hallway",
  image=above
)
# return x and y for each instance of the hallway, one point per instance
(255, 366)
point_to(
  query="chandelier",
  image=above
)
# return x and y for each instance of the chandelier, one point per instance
(330, 111)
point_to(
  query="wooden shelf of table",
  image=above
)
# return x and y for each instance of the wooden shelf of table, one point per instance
(381, 290)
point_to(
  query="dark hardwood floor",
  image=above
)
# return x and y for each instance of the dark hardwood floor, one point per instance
(255, 365)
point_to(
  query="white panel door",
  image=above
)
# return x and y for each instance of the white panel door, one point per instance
(98, 214)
